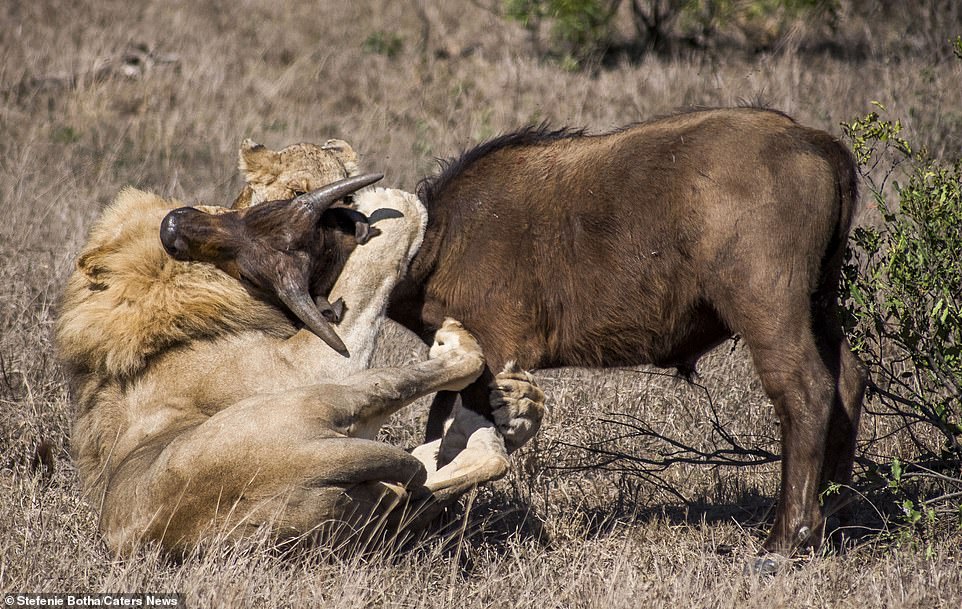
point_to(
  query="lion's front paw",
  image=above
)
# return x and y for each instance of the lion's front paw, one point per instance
(517, 404)
(459, 353)
(453, 339)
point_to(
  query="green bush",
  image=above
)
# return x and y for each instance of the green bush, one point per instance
(581, 32)
(902, 294)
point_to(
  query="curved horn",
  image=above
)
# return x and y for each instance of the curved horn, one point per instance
(320, 199)
(301, 305)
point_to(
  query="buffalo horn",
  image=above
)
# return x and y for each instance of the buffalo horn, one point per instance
(301, 305)
(322, 198)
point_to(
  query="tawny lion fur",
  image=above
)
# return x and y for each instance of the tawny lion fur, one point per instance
(202, 410)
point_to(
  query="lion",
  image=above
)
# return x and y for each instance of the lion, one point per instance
(290, 171)
(206, 406)
(273, 175)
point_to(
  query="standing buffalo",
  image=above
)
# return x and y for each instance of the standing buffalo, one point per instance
(653, 244)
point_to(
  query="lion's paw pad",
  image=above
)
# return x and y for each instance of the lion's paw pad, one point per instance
(518, 406)
(453, 338)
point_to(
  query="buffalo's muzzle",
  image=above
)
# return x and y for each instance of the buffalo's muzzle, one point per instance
(171, 235)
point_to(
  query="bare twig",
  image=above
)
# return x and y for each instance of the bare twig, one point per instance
(729, 451)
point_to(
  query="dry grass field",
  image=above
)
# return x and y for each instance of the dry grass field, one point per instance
(406, 82)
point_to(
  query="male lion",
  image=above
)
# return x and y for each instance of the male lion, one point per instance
(202, 409)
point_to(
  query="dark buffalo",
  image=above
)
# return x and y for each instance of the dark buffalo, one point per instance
(653, 244)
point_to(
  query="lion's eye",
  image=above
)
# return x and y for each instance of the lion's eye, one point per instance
(296, 192)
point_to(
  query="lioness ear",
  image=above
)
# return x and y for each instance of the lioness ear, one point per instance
(255, 160)
(344, 153)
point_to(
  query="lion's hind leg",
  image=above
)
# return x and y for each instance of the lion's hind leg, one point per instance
(270, 460)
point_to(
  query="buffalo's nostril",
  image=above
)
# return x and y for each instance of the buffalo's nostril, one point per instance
(170, 236)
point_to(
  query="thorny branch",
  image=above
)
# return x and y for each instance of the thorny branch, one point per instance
(728, 450)
(606, 455)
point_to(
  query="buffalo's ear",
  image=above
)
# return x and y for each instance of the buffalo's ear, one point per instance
(364, 232)
(352, 221)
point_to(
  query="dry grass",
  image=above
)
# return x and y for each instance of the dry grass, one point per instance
(72, 134)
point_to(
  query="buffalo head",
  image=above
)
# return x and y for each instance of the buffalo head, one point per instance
(291, 250)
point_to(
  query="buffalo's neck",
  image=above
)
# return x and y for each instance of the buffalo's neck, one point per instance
(407, 302)
(325, 273)
(405, 306)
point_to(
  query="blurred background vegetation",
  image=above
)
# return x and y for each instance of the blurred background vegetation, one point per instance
(588, 33)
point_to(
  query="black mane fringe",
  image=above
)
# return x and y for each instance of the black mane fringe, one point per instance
(430, 186)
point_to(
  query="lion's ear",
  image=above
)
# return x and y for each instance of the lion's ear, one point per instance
(344, 153)
(255, 162)
(91, 263)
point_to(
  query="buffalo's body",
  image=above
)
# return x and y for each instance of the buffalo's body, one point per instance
(653, 244)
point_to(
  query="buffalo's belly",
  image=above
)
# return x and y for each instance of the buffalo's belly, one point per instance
(679, 343)
(599, 324)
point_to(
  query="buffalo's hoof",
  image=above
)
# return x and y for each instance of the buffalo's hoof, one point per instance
(766, 565)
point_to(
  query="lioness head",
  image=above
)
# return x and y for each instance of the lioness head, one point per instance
(275, 175)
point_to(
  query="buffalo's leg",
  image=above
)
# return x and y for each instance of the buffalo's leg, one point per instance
(802, 390)
(843, 430)
(475, 397)
(849, 376)
(442, 407)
